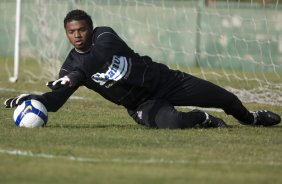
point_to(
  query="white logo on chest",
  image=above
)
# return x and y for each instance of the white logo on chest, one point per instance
(114, 72)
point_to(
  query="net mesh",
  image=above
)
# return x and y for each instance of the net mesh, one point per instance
(237, 45)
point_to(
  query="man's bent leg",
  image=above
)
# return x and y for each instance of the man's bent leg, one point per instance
(198, 92)
(161, 114)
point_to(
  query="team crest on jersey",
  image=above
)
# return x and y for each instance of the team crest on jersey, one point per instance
(116, 71)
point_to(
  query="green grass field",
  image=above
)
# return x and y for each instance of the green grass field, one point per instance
(90, 140)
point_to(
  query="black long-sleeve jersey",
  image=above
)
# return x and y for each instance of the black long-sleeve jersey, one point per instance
(110, 68)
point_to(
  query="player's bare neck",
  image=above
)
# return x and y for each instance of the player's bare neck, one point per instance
(84, 50)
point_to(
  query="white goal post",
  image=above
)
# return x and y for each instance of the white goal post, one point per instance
(15, 76)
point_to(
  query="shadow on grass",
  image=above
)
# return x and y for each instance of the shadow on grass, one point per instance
(137, 126)
(96, 126)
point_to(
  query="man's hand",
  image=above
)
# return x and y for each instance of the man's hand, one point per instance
(61, 82)
(15, 101)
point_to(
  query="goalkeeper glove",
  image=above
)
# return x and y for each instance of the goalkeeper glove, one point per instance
(15, 101)
(59, 83)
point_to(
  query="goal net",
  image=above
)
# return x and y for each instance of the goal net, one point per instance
(235, 44)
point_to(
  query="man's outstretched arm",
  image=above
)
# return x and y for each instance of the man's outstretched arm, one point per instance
(52, 100)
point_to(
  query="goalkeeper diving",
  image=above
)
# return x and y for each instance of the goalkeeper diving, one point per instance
(103, 62)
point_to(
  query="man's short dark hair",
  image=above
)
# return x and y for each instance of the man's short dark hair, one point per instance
(78, 15)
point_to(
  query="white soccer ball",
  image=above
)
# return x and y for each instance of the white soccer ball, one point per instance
(31, 114)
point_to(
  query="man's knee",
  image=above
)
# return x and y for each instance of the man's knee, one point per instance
(232, 104)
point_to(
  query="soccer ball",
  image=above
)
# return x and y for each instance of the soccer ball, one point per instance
(31, 114)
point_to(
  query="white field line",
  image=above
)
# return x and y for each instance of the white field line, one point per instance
(200, 108)
(22, 153)
(35, 92)
(82, 98)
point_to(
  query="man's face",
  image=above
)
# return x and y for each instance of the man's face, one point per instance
(79, 34)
